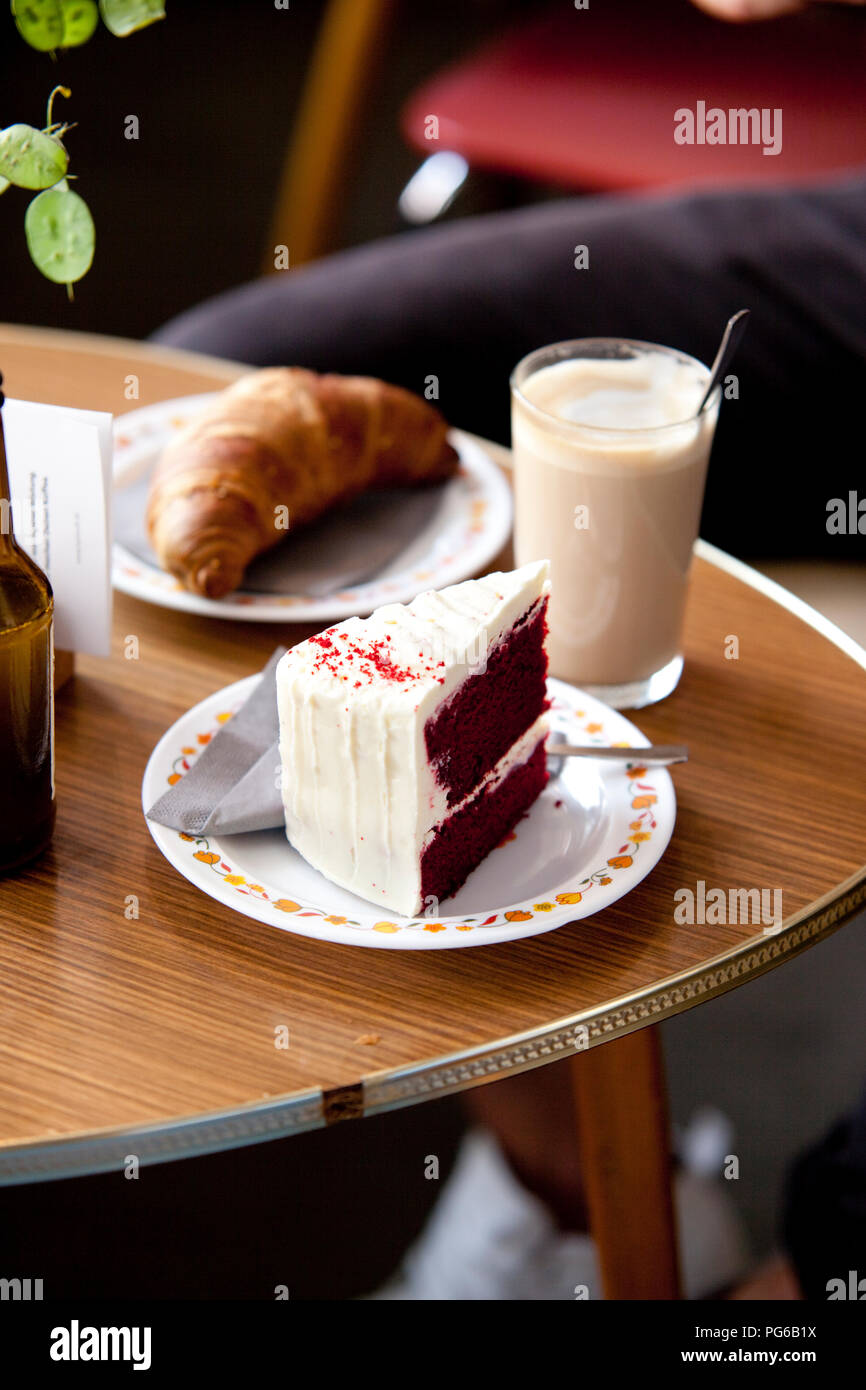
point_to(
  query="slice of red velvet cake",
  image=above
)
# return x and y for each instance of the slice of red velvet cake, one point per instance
(414, 740)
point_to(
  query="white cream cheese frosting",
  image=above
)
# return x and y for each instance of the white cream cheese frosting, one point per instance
(360, 796)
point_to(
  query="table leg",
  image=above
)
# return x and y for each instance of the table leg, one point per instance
(619, 1090)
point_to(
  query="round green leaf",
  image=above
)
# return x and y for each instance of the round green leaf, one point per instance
(123, 17)
(39, 22)
(60, 235)
(80, 18)
(30, 158)
(4, 184)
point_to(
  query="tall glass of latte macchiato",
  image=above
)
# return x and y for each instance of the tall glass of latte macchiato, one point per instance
(610, 460)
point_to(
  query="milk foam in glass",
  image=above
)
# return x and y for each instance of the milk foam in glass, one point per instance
(610, 461)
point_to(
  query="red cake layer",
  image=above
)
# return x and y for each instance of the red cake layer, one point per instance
(468, 735)
(463, 840)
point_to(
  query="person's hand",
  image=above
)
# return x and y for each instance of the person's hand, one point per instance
(741, 10)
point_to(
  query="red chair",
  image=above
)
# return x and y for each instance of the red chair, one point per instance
(585, 98)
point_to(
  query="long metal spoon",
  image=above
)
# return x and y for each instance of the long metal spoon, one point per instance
(736, 327)
(654, 753)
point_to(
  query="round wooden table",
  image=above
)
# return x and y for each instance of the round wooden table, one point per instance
(155, 1036)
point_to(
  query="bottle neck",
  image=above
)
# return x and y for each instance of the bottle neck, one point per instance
(7, 536)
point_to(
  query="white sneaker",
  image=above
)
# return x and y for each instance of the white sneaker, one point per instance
(489, 1238)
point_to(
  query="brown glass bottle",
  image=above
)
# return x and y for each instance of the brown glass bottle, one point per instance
(26, 694)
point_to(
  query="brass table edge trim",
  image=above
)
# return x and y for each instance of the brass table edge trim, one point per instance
(590, 1028)
(106, 1150)
(100, 1151)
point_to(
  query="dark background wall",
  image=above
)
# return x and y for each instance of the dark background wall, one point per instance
(182, 212)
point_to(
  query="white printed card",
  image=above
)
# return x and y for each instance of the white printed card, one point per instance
(60, 483)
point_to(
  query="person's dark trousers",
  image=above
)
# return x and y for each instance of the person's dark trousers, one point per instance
(825, 1213)
(464, 301)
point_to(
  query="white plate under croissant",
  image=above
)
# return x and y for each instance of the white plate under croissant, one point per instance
(382, 547)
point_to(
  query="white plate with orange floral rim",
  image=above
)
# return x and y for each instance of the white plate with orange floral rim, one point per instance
(597, 829)
(466, 529)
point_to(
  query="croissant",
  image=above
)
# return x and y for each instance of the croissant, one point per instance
(282, 438)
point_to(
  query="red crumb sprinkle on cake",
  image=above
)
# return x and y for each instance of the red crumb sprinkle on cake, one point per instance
(368, 661)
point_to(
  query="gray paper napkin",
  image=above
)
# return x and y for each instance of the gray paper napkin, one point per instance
(234, 783)
(348, 545)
